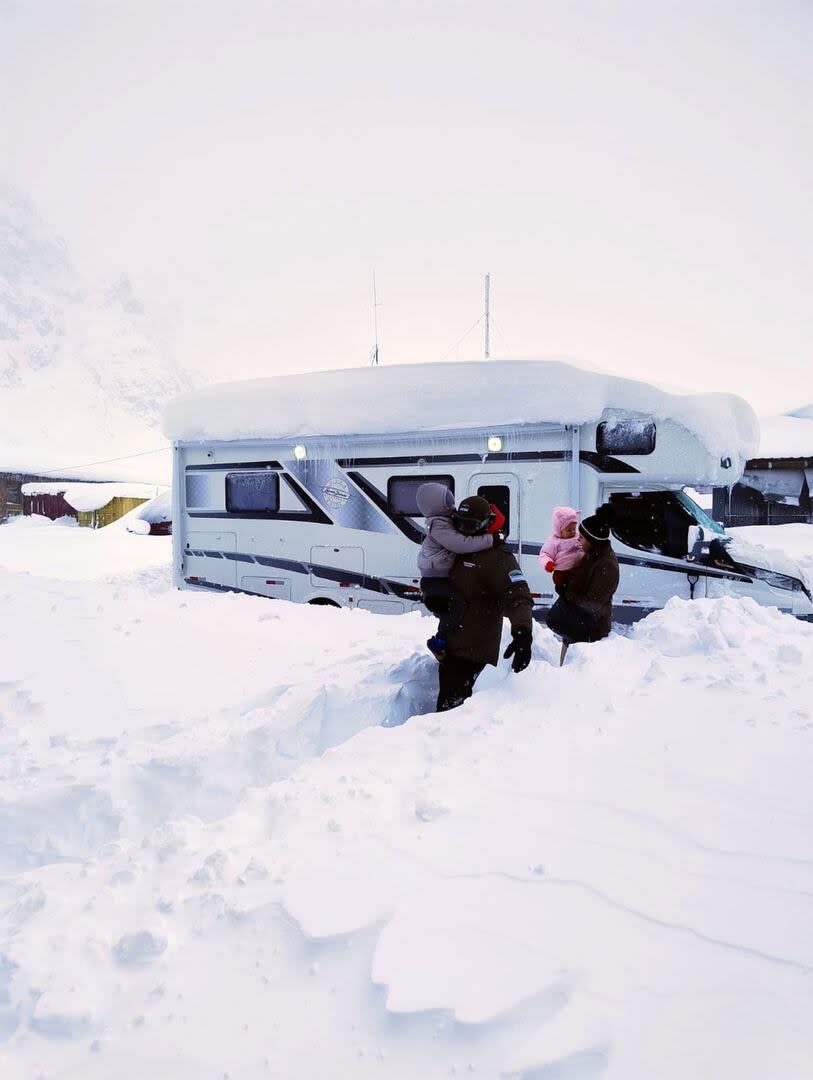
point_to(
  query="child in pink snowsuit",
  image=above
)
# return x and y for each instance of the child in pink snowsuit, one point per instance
(562, 550)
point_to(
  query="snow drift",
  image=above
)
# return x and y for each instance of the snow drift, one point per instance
(600, 872)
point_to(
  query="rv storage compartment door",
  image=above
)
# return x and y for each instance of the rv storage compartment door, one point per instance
(276, 587)
(346, 564)
(211, 564)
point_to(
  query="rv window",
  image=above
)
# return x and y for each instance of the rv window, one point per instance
(402, 492)
(499, 495)
(625, 437)
(197, 490)
(653, 521)
(252, 492)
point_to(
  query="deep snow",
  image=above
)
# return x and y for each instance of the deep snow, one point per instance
(215, 860)
(793, 541)
(430, 397)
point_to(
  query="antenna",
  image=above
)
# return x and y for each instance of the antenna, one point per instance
(487, 316)
(376, 306)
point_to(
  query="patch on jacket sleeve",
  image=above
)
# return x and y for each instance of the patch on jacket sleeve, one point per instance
(515, 576)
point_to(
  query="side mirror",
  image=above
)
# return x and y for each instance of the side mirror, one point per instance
(697, 543)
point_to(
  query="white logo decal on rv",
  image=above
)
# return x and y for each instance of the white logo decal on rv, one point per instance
(336, 492)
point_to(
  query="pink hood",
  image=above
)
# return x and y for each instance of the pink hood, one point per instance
(562, 517)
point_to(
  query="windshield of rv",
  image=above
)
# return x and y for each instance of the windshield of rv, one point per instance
(657, 521)
(699, 514)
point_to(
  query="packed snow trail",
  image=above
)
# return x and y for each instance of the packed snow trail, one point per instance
(215, 860)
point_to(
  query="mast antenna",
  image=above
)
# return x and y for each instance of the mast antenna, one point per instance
(376, 306)
(487, 315)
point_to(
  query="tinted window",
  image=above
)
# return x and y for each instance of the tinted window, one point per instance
(625, 437)
(654, 521)
(197, 490)
(498, 495)
(402, 492)
(252, 492)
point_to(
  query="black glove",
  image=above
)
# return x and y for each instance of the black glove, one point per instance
(519, 648)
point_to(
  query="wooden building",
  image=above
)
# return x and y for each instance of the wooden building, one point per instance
(97, 505)
(47, 500)
(776, 487)
(93, 504)
(12, 500)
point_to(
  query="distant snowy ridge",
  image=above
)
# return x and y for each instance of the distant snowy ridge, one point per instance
(430, 397)
(84, 371)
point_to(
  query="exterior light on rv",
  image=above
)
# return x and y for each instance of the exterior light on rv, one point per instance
(494, 444)
(299, 452)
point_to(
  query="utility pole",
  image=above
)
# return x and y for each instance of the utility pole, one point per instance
(375, 322)
(488, 317)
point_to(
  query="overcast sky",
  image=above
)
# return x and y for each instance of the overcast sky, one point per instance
(636, 176)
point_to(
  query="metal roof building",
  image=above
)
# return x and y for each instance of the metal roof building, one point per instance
(777, 484)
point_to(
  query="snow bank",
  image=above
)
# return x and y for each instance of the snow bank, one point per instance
(428, 397)
(43, 548)
(217, 860)
(778, 544)
(785, 437)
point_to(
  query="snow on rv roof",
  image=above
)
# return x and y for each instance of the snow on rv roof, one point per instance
(432, 397)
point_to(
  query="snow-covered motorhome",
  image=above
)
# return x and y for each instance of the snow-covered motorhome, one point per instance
(303, 487)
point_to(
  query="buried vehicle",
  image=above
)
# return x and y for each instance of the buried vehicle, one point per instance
(303, 487)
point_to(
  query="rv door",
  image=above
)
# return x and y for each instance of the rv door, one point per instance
(501, 489)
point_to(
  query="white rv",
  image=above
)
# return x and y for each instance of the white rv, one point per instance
(303, 487)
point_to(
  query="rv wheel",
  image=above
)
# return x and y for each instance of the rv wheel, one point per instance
(324, 601)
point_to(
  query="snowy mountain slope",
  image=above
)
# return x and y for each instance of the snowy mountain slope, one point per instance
(84, 372)
(232, 868)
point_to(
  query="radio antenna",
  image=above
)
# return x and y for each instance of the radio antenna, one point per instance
(376, 306)
(487, 315)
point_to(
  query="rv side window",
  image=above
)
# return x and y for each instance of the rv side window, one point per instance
(625, 437)
(252, 492)
(197, 490)
(402, 492)
(499, 495)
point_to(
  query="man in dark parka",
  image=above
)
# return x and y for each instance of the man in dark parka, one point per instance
(492, 586)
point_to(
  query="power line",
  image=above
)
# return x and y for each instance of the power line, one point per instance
(108, 461)
(457, 344)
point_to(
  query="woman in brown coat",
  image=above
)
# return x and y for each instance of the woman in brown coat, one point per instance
(584, 610)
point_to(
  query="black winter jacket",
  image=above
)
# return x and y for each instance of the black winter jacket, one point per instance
(491, 585)
(591, 585)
